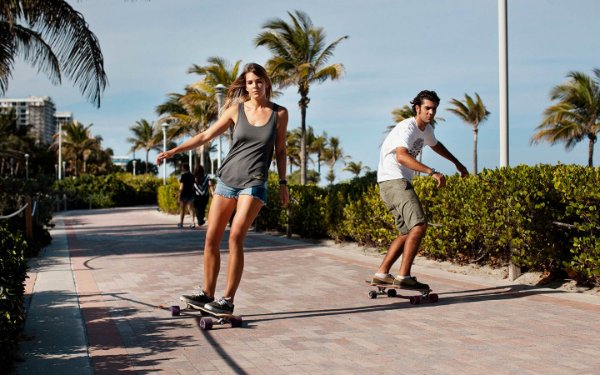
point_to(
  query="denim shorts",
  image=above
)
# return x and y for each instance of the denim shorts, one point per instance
(259, 192)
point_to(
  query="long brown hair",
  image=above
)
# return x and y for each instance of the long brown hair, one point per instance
(237, 90)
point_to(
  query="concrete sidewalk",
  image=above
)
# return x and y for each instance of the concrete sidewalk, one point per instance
(100, 297)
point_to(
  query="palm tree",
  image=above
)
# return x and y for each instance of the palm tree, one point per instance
(317, 145)
(332, 154)
(55, 38)
(146, 136)
(356, 168)
(194, 110)
(576, 116)
(299, 59)
(473, 112)
(15, 142)
(293, 148)
(77, 143)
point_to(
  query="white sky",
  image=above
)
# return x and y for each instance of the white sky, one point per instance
(396, 48)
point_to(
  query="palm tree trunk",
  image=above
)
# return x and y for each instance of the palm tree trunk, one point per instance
(146, 167)
(303, 104)
(591, 152)
(475, 131)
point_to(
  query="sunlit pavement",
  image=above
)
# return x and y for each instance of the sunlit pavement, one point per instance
(99, 302)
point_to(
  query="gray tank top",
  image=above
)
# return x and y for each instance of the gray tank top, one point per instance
(247, 163)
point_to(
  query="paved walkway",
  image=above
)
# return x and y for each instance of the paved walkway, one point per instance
(99, 301)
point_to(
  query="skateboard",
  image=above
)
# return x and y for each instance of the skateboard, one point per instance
(391, 291)
(209, 318)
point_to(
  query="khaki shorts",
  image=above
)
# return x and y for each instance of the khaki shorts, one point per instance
(402, 201)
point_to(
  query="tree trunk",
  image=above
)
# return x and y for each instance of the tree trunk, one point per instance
(475, 131)
(146, 167)
(591, 152)
(303, 104)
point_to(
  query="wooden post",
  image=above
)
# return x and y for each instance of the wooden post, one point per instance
(28, 220)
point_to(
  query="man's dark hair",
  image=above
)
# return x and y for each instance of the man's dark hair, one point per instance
(425, 94)
(185, 167)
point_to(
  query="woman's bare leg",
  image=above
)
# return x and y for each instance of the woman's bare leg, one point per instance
(218, 216)
(246, 211)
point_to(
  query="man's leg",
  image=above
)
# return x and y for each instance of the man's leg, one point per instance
(411, 248)
(394, 251)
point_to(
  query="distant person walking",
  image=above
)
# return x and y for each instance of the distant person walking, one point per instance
(203, 188)
(397, 164)
(260, 128)
(186, 195)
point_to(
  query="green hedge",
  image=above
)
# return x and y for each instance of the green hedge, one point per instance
(544, 217)
(168, 196)
(114, 190)
(13, 270)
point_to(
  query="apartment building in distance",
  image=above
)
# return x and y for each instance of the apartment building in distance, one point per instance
(37, 112)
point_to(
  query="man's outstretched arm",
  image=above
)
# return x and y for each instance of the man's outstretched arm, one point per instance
(443, 151)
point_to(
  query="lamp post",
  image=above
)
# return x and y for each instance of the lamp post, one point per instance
(27, 166)
(134, 167)
(60, 162)
(220, 93)
(165, 126)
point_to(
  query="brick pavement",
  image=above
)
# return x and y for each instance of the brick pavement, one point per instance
(306, 310)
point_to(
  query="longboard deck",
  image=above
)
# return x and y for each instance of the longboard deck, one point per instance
(390, 291)
(209, 317)
(392, 286)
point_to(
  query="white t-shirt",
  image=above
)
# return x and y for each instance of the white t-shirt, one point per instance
(405, 134)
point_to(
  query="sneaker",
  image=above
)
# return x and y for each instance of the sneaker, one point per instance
(410, 283)
(388, 279)
(197, 299)
(180, 225)
(192, 226)
(221, 306)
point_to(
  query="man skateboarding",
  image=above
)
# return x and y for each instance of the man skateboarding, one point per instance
(397, 165)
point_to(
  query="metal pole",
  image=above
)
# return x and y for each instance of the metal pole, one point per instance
(503, 80)
(60, 163)
(164, 129)
(27, 166)
(134, 167)
(220, 93)
(190, 161)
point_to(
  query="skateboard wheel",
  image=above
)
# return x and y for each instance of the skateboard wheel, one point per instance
(175, 310)
(391, 293)
(206, 324)
(372, 294)
(415, 300)
(236, 322)
(433, 297)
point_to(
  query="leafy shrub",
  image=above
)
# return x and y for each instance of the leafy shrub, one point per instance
(168, 196)
(578, 189)
(114, 190)
(13, 269)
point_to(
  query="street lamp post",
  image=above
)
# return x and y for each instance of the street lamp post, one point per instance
(165, 126)
(220, 93)
(27, 166)
(60, 162)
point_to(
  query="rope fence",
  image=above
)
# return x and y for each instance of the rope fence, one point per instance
(14, 213)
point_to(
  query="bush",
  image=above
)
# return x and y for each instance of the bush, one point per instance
(578, 190)
(114, 190)
(13, 270)
(168, 196)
